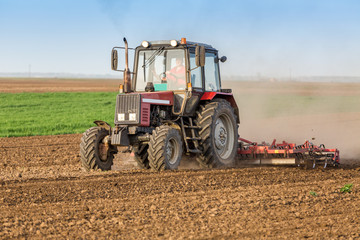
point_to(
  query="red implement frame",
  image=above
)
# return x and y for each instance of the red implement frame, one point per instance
(306, 154)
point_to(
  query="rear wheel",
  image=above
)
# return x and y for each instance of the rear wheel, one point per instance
(95, 153)
(165, 148)
(219, 134)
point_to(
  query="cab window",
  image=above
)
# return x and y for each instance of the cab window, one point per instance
(211, 72)
(196, 80)
(164, 68)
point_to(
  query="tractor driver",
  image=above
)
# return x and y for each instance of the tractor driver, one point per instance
(177, 74)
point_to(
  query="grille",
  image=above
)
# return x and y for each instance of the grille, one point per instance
(126, 106)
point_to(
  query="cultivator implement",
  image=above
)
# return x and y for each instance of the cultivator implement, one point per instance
(307, 155)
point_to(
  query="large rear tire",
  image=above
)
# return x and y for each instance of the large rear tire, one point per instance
(94, 153)
(165, 148)
(142, 156)
(219, 134)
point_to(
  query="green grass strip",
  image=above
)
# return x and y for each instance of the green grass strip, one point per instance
(28, 114)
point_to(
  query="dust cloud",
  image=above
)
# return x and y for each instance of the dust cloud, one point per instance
(323, 113)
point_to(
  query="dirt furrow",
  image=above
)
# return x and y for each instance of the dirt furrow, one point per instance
(45, 194)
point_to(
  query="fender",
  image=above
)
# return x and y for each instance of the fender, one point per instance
(103, 124)
(227, 96)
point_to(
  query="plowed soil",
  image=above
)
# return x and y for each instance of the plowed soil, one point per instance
(45, 194)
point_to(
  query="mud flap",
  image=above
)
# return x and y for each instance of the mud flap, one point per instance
(120, 137)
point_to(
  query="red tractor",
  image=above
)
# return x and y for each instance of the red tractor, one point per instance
(174, 103)
(171, 103)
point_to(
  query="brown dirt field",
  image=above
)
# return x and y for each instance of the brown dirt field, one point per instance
(295, 88)
(18, 85)
(45, 194)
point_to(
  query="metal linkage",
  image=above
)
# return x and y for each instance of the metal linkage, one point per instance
(307, 154)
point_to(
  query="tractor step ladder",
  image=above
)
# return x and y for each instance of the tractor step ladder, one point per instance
(195, 139)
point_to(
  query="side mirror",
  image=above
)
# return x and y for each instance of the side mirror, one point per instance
(223, 59)
(200, 56)
(114, 59)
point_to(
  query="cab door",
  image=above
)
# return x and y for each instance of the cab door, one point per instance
(211, 72)
(197, 80)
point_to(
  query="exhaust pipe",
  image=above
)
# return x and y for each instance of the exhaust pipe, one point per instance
(127, 76)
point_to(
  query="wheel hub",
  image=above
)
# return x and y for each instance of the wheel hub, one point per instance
(104, 149)
(224, 136)
(171, 150)
(220, 134)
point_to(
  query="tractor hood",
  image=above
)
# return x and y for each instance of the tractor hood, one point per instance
(134, 108)
(158, 98)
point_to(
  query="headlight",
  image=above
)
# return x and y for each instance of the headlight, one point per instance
(121, 116)
(132, 117)
(145, 44)
(173, 43)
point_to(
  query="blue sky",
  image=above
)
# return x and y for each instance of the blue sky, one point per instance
(268, 37)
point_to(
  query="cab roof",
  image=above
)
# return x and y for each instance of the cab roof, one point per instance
(167, 43)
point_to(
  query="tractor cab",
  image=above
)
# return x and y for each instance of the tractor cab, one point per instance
(186, 69)
(174, 65)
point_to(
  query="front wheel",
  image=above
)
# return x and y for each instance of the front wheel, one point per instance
(95, 151)
(165, 148)
(141, 155)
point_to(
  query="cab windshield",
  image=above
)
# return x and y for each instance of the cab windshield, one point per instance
(164, 68)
